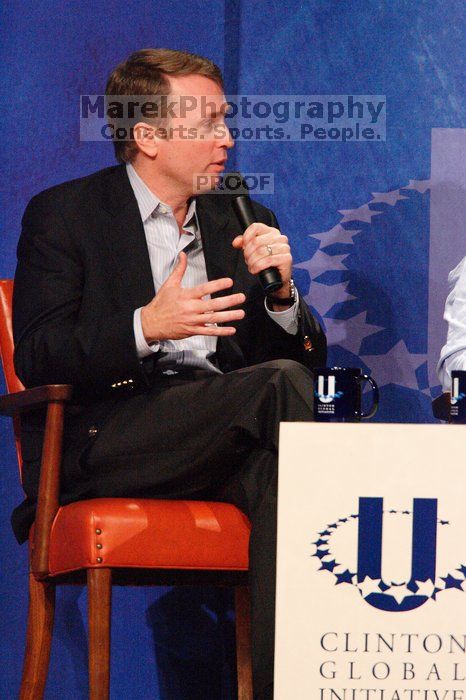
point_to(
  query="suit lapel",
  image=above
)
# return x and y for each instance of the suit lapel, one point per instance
(125, 237)
(218, 228)
(126, 241)
(217, 231)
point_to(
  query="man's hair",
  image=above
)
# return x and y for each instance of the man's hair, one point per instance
(146, 72)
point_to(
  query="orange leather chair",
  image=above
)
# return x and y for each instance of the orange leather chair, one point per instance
(124, 541)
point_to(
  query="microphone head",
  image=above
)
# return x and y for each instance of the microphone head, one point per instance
(233, 183)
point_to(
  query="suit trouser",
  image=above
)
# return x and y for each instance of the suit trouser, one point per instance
(211, 437)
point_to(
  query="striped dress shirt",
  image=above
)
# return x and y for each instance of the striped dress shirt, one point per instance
(164, 243)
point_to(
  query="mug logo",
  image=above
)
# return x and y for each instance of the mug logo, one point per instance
(331, 394)
(455, 395)
(326, 398)
(364, 567)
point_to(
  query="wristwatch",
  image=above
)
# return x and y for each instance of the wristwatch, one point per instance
(283, 301)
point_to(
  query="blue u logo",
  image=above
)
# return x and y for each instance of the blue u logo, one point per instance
(424, 546)
(330, 395)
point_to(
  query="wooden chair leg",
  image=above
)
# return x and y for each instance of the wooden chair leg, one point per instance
(243, 643)
(99, 589)
(38, 639)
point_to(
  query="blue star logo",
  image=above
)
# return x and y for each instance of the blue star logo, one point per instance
(451, 582)
(345, 577)
(385, 595)
(328, 565)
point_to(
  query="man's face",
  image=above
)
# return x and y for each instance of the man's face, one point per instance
(195, 152)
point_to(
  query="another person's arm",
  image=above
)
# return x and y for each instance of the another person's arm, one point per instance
(453, 354)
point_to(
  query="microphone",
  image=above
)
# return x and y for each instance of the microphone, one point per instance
(270, 277)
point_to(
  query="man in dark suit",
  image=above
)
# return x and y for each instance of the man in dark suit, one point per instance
(142, 293)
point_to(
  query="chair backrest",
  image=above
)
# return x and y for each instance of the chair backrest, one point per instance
(12, 382)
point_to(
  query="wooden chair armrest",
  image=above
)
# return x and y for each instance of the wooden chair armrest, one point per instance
(49, 487)
(12, 404)
(54, 396)
(441, 407)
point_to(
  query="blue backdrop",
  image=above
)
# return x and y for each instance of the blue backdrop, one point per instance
(374, 227)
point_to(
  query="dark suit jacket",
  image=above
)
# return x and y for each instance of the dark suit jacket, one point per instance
(83, 268)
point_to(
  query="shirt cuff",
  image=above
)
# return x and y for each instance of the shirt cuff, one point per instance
(287, 319)
(142, 347)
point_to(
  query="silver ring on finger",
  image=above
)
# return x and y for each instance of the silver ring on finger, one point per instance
(269, 249)
(210, 325)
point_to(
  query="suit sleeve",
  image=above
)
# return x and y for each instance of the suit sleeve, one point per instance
(54, 341)
(271, 342)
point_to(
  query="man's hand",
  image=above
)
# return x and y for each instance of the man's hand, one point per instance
(175, 313)
(263, 247)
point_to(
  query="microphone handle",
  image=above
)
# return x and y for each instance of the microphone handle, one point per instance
(270, 277)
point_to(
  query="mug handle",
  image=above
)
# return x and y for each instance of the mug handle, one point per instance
(375, 396)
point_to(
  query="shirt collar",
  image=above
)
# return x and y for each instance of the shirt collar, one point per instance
(148, 202)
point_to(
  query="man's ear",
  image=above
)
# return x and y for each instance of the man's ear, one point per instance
(146, 138)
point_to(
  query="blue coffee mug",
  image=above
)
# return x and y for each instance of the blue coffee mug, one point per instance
(338, 393)
(458, 396)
